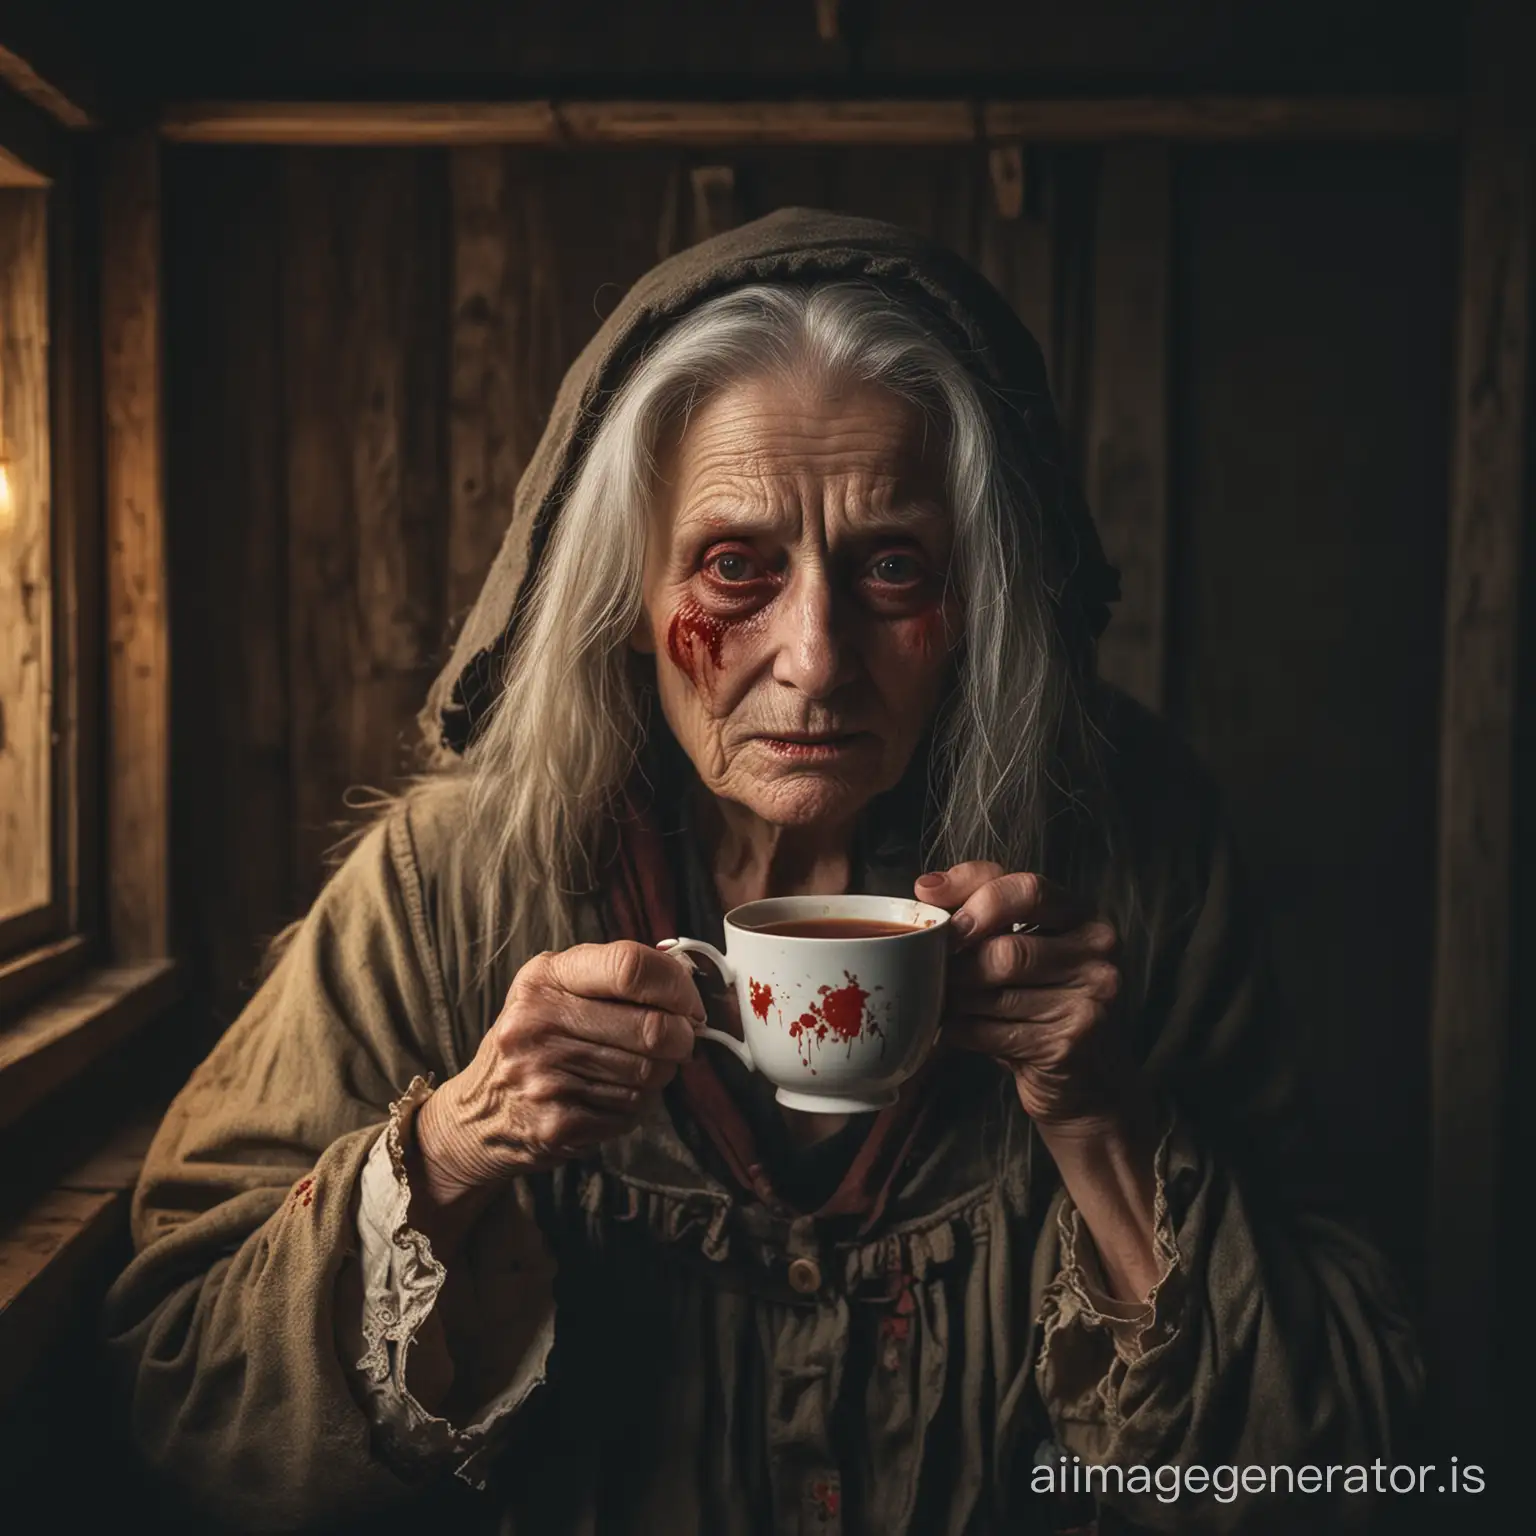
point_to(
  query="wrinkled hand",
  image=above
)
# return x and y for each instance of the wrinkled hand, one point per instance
(1039, 1002)
(587, 1039)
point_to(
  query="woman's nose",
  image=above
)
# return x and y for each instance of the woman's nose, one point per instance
(811, 653)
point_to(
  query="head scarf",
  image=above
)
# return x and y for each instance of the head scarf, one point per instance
(801, 246)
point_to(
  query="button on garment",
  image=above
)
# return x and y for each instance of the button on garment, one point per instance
(805, 1276)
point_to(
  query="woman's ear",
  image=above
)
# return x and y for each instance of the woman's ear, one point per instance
(640, 637)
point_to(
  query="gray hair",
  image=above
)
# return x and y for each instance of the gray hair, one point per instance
(566, 729)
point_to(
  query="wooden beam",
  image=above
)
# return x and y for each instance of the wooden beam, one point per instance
(32, 145)
(1471, 1010)
(138, 897)
(25, 81)
(1127, 442)
(1224, 119)
(15, 172)
(705, 124)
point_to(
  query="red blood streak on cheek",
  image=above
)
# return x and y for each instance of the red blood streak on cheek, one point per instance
(762, 998)
(925, 630)
(693, 630)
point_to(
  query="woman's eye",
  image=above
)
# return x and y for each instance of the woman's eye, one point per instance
(896, 570)
(732, 565)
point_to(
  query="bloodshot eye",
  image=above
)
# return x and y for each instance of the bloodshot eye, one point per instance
(732, 566)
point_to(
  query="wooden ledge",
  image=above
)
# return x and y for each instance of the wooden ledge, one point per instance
(48, 1254)
(63, 1033)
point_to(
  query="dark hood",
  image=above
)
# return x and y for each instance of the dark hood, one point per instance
(794, 245)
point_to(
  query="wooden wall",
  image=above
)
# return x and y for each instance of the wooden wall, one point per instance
(362, 344)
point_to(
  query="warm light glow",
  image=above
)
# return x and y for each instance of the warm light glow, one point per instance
(6, 499)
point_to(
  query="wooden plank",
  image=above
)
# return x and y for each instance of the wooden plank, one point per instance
(1473, 955)
(1224, 119)
(364, 366)
(138, 900)
(1127, 431)
(507, 351)
(26, 573)
(832, 122)
(224, 323)
(17, 73)
(74, 364)
(378, 124)
(570, 123)
(44, 1256)
(55, 1040)
(1018, 247)
(543, 244)
(116, 1165)
(15, 172)
(29, 1247)
(704, 124)
(37, 970)
(716, 202)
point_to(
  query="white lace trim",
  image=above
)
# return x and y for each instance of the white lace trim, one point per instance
(402, 1281)
(394, 1316)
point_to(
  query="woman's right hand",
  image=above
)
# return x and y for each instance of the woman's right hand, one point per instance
(586, 1040)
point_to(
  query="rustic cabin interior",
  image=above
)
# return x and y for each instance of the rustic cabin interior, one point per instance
(285, 296)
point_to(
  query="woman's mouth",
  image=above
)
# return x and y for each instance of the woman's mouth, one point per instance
(812, 748)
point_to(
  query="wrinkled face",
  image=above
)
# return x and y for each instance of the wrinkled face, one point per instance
(795, 589)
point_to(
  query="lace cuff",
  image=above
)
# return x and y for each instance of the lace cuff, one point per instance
(1089, 1340)
(402, 1281)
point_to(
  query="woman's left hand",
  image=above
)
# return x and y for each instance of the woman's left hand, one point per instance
(1040, 1000)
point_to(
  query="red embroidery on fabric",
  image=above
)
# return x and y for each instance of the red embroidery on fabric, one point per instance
(826, 1498)
(896, 1325)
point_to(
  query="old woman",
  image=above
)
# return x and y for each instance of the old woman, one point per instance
(795, 598)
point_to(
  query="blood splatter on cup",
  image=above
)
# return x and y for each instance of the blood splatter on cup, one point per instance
(840, 996)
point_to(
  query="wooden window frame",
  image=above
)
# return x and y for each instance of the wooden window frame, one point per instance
(42, 947)
(83, 972)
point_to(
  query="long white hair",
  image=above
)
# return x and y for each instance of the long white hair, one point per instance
(565, 731)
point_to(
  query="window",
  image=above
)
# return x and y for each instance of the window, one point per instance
(28, 792)
(50, 516)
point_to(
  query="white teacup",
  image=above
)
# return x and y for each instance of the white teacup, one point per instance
(837, 1024)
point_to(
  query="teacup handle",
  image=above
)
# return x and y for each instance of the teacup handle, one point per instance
(680, 947)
